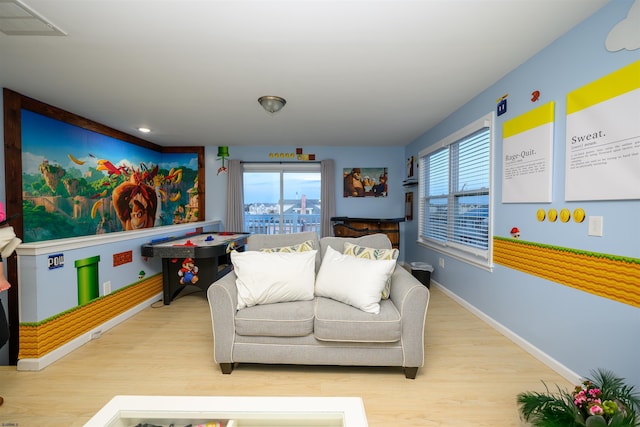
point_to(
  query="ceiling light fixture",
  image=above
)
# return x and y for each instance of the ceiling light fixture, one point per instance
(272, 104)
(144, 130)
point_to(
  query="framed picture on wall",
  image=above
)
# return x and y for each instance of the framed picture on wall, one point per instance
(408, 206)
(365, 182)
(410, 165)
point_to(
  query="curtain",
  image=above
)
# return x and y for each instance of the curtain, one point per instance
(327, 196)
(235, 197)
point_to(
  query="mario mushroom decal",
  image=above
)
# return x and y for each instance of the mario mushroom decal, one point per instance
(515, 232)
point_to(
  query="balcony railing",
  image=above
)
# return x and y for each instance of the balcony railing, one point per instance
(291, 223)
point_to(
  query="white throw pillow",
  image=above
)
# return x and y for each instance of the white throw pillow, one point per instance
(354, 281)
(267, 278)
(372, 253)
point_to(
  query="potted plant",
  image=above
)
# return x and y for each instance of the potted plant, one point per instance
(602, 401)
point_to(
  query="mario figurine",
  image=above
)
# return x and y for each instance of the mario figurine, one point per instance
(188, 273)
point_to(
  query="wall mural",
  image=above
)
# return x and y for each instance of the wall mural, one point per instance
(76, 182)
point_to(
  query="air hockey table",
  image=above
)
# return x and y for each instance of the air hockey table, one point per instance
(196, 259)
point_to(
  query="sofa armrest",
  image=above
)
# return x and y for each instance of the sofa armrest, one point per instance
(411, 298)
(223, 301)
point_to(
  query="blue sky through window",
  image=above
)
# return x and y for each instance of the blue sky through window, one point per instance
(264, 187)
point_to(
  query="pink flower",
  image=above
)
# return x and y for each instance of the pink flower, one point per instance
(596, 409)
(580, 398)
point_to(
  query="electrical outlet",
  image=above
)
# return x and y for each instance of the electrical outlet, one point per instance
(106, 287)
(441, 262)
(595, 226)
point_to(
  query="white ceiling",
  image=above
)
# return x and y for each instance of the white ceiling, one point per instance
(360, 72)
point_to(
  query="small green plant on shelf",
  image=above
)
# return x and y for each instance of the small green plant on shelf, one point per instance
(602, 401)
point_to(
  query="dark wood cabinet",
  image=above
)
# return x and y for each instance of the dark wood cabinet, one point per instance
(356, 227)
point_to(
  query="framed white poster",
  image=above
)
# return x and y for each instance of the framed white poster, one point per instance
(527, 147)
(603, 138)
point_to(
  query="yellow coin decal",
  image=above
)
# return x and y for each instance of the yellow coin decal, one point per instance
(565, 215)
(578, 215)
(552, 215)
(541, 215)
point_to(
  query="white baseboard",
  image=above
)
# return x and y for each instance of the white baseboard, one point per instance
(60, 352)
(543, 357)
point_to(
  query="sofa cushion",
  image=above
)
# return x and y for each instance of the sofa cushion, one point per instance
(300, 247)
(285, 319)
(378, 241)
(266, 278)
(258, 241)
(255, 242)
(372, 253)
(335, 321)
(354, 281)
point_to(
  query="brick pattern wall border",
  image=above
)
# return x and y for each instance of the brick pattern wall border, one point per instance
(38, 339)
(609, 276)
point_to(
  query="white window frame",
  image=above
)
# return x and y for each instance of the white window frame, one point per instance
(482, 258)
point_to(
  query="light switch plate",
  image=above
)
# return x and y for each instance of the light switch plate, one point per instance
(595, 226)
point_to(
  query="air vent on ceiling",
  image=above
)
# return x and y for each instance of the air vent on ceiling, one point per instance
(17, 19)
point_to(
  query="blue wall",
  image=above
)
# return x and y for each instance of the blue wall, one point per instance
(579, 330)
(392, 158)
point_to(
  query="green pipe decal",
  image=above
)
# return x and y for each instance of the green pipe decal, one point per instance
(88, 288)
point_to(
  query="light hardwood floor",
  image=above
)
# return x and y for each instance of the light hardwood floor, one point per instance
(471, 376)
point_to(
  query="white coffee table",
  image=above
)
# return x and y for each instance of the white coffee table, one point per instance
(129, 411)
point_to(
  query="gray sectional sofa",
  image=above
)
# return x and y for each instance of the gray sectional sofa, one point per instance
(321, 331)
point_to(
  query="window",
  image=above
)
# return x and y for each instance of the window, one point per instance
(455, 194)
(281, 198)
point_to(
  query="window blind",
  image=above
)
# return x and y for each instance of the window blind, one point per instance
(455, 192)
